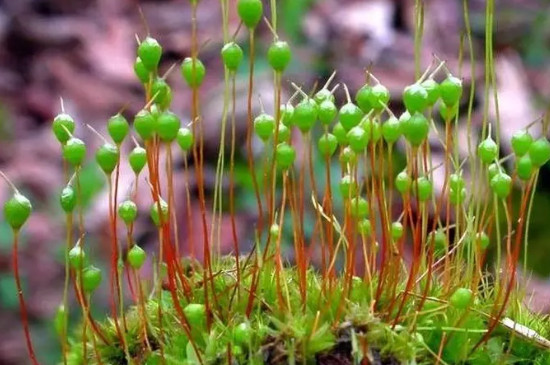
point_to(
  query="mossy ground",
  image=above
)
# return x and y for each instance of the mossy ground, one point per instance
(331, 328)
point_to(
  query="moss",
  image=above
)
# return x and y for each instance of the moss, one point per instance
(343, 328)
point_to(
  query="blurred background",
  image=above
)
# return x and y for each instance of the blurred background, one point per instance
(83, 51)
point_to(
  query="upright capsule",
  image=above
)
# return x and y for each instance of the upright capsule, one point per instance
(141, 71)
(17, 210)
(185, 139)
(232, 56)
(137, 159)
(279, 55)
(161, 93)
(63, 126)
(150, 51)
(487, 150)
(74, 151)
(107, 157)
(145, 124)
(305, 114)
(118, 128)
(350, 115)
(67, 199)
(168, 125)
(264, 126)
(250, 12)
(127, 211)
(415, 98)
(193, 72)
(450, 90)
(136, 257)
(378, 97)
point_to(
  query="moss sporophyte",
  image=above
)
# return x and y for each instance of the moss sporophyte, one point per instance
(389, 261)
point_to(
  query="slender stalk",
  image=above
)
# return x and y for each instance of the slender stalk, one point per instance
(22, 305)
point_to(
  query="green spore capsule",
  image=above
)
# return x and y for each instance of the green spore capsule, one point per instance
(136, 257)
(438, 240)
(193, 72)
(250, 12)
(238, 351)
(285, 156)
(416, 129)
(62, 127)
(364, 227)
(168, 125)
(150, 51)
(359, 207)
(448, 113)
(456, 181)
(397, 230)
(461, 298)
(423, 188)
(145, 124)
(232, 56)
(155, 212)
(195, 314)
(287, 114)
(487, 150)
(363, 98)
(327, 112)
(91, 279)
(404, 118)
(482, 239)
(340, 134)
(161, 93)
(457, 196)
(60, 320)
(17, 210)
(107, 157)
(348, 156)
(141, 72)
(67, 199)
(127, 211)
(137, 159)
(274, 231)
(185, 139)
(283, 134)
(118, 128)
(379, 97)
(358, 139)
(242, 334)
(305, 114)
(492, 170)
(264, 126)
(450, 90)
(432, 88)
(350, 116)
(539, 151)
(348, 187)
(328, 143)
(323, 95)
(74, 151)
(415, 98)
(521, 142)
(403, 182)
(372, 128)
(279, 55)
(391, 130)
(524, 167)
(501, 184)
(77, 258)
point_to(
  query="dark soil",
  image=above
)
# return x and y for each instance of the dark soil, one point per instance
(340, 354)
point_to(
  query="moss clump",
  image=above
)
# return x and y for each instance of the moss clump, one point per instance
(326, 330)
